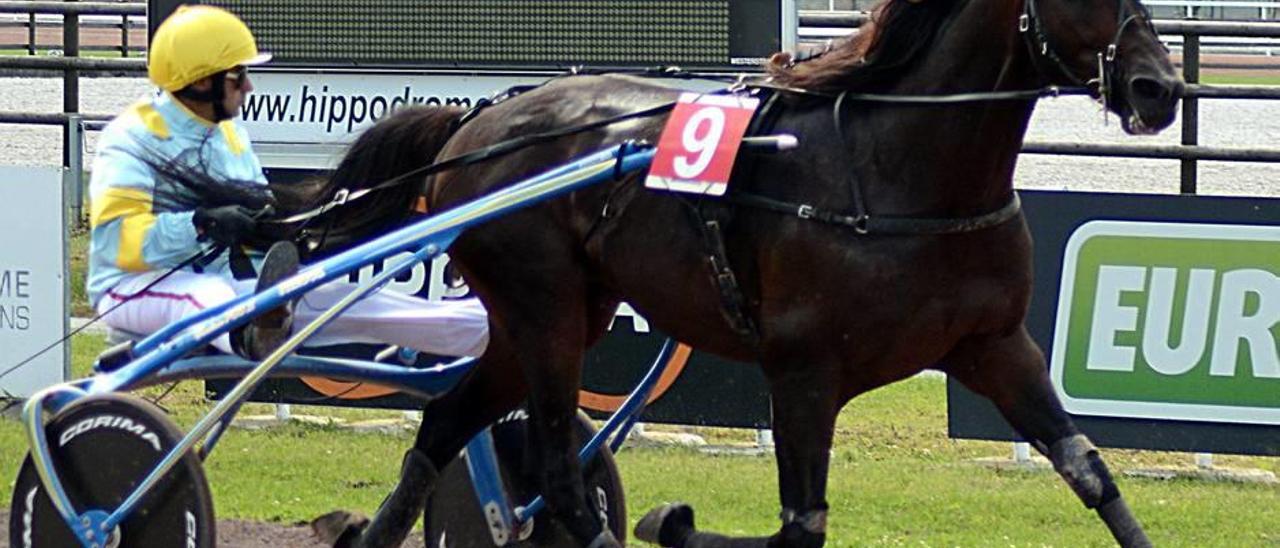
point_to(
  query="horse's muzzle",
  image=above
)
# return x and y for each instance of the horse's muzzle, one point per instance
(1151, 103)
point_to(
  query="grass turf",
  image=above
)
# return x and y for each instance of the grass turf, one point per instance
(896, 479)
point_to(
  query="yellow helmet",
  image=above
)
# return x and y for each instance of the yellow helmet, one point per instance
(199, 41)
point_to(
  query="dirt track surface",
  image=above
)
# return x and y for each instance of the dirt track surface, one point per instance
(50, 38)
(244, 534)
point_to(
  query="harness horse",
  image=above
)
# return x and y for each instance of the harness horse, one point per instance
(889, 242)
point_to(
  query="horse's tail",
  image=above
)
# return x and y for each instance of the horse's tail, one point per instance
(408, 140)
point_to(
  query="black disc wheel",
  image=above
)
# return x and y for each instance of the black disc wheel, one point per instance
(454, 518)
(102, 447)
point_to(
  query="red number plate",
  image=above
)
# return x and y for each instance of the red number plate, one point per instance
(700, 143)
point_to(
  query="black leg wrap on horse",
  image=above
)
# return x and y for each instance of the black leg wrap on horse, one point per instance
(807, 530)
(1078, 462)
(1124, 527)
(395, 517)
(814, 521)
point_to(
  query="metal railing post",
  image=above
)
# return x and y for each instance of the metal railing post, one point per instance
(124, 35)
(764, 438)
(1190, 110)
(1021, 452)
(1204, 460)
(31, 33)
(70, 77)
(73, 147)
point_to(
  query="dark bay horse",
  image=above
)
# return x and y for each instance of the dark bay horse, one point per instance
(937, 273)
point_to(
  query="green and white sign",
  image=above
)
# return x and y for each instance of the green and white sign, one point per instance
(1170, 321)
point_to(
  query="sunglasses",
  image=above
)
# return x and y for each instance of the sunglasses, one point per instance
(237, 75)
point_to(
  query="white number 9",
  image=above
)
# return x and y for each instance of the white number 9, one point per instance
(704, 149)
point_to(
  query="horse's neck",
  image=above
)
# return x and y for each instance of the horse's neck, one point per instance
(972, 148)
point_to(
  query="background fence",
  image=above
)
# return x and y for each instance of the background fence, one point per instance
(1171, 9)
(825, 24)
(1190, 36)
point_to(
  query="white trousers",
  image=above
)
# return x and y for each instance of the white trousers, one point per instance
(447, 328)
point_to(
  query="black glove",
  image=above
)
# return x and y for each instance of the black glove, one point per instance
(226, 225)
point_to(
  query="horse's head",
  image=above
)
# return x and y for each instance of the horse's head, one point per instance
(1110, 46)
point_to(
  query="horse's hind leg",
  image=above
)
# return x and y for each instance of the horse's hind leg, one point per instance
(1011, 372)
(552, 362)
(806, 400)
(493, 388)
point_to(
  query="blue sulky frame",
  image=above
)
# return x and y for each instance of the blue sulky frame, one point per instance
(160, 356)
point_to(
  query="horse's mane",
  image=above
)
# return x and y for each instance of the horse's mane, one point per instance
(396, 145)
(896, 35)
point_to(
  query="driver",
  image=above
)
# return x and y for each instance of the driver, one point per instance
(146, 223)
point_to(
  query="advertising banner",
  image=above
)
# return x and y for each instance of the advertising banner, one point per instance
(33, 279)
(307, 107)
(1160, 317)
(332, 107)
(1170, 321)
(698, 388)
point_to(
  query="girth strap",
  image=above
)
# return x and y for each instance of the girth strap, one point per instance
(714, 215)
(884, 224)
(733, 305)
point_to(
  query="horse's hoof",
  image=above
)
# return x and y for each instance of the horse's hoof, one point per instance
(339, 528)
(605, 540)
(667, 525)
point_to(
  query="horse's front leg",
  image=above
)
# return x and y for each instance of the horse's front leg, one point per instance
(1011, 372)
(806, 400)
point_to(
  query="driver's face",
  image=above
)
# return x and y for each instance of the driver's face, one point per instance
(236, 85)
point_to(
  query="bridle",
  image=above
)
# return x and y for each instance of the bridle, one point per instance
(1041, 46)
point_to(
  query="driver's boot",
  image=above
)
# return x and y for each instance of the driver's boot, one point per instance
(267, 331)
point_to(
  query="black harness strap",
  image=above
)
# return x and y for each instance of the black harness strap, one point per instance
(861, 220)
(733, 304)
(344, 197)
(486, 102)
(885, 224)
(714, 216)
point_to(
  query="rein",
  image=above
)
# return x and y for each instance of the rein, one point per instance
(1041, 47)
(1037, 39)
(862, 223)
(345, 196)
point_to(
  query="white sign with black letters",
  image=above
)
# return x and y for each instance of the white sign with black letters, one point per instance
(33, 278)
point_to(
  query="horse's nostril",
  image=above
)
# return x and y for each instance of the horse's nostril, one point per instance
(1150, 88)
